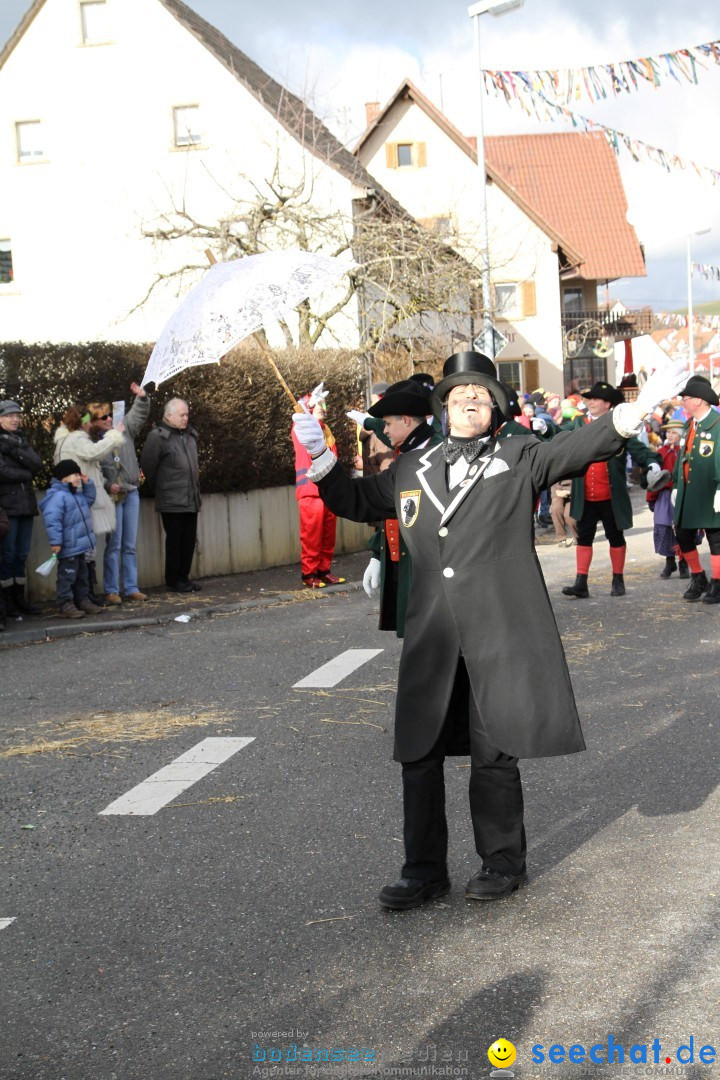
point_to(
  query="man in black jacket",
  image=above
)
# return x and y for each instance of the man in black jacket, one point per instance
(480, 634)
(18, 465)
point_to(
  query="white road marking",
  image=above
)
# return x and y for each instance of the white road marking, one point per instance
(336, 670)
(166, 784)
(6, 922)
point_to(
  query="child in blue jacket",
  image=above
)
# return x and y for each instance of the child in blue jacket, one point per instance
(66, 512)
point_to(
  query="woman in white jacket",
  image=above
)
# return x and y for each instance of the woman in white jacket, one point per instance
(72, 440)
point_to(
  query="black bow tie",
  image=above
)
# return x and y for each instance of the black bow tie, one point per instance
(469, 449)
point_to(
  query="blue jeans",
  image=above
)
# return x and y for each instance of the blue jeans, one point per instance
(14, 550)
(120, 550)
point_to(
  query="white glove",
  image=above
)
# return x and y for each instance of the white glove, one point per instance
(653, 467)
(716, 502)
(538, 424)
(318, 394)
(309, 433)
(661, 386)
(358, 417)
(673, 496)
(371, 577)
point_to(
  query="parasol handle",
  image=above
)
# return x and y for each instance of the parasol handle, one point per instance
(266, 352)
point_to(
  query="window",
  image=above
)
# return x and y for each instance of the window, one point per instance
(572, 300)
(186, 121)
(405, 155)
(510, 373)
(505, 298)
(95, 22)
(6, 267)
(30, 141)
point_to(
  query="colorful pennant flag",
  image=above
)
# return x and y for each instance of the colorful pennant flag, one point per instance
(709, 272)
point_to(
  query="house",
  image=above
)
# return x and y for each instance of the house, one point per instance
(124, 122)
(557, 231)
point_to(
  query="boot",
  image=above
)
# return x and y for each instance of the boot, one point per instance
(618, 585)
(579, 589)
(712, 594)
(670, 567)
(698, 585)
(9, 598)
(69, 611)
(684, 570)
(94, 595)
(88, 606)
(21, 603)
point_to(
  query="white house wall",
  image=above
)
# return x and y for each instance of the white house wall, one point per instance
(448, 186)
(75, 220)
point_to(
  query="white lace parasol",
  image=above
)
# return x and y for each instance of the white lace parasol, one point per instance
(233, 300)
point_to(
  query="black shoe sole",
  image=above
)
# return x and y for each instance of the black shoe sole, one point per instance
(498, 896)
(400, 903)
(576, 595)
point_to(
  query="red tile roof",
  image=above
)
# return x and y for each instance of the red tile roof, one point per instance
(572, 181)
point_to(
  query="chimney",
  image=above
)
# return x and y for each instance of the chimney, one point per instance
(372, 111)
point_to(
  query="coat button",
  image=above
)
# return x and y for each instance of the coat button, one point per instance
(448, 571)
(443, 531)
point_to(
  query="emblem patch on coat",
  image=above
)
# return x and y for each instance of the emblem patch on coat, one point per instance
(706, 448)
(409, 507)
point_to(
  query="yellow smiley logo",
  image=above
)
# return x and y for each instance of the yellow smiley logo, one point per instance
(502, 1053)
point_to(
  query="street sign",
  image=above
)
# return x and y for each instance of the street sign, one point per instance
(481, 344)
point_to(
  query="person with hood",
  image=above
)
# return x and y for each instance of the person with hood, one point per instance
(19, 463)
(74, 440)
(66, 511)
(477, 591)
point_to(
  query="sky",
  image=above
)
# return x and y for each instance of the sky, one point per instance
(342, 54)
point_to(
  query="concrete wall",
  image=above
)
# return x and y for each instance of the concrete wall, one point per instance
(236, 533)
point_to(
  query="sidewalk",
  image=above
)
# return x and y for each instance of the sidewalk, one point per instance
(279, 585)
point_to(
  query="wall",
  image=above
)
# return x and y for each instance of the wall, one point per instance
(236, 533)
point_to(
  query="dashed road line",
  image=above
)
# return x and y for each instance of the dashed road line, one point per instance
(6, 922)
(166, 784)
(339, 668)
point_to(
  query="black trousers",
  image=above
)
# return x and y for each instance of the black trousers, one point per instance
(593, 512)
(496, 798)
(687, 539)
(180, 536)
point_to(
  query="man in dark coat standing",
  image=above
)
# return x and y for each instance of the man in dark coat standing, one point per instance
(477, 592)
(600, 495)
(697, 478)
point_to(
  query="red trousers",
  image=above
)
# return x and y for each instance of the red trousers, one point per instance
(317, 535)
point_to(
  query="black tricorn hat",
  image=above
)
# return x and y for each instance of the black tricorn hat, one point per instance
(469, 367)
(699, 386)
(404, 398)
(605, 392)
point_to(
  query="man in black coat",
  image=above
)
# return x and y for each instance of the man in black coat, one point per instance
(480, 634)
(19, 463)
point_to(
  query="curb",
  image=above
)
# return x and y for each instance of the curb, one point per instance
(11, 638)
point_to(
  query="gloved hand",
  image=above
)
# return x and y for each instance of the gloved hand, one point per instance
(716, 502)
(653, 467)
(662, 385)
(309, 433)
(358, 417)
(538, 424)
(371, 577)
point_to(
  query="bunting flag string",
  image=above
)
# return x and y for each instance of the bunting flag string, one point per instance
(602, 81)
(673, 318)
(707, 270)
(532, 102)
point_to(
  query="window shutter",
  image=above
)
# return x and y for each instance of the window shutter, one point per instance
(531, 377)
(420, 155)
(529, 305)
(391, 157)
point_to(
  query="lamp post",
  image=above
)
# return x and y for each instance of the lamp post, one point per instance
(483, 7)
(691, 338)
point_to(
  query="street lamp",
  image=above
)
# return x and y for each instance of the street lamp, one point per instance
(691, 338)
(483, 7)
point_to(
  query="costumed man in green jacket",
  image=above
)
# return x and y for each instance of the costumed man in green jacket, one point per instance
(697, 478)
(400, 418)
(601, 494)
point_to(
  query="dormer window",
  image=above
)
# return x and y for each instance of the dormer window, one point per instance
(95, 22)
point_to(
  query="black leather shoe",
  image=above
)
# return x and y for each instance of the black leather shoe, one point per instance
(618, 585)
(579, 589)
(712, 593)
(684, 570)
(180, 586)
(192, 586)
(411, 892)
(697, 587)
(670, 567)
(489, 884)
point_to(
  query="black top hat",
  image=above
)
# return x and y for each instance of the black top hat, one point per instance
(699, 386)
(424, 379)
(404, 398)
(469, 367)
(605, 392)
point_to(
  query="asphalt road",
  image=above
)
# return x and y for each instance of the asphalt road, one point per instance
(242, 916)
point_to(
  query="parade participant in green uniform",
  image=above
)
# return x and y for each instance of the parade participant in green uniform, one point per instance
(697, 478)
(403, 412)
(601, 494)
(465, 511)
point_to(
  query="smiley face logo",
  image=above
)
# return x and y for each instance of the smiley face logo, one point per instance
(502, 1053)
